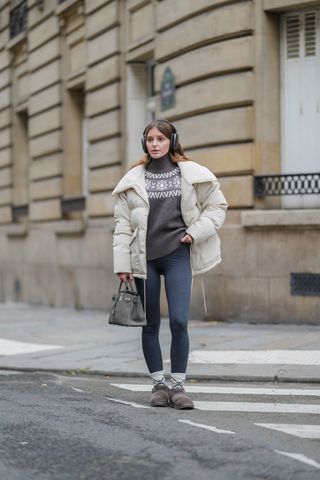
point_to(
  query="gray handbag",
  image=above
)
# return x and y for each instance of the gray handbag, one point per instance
(127, 309)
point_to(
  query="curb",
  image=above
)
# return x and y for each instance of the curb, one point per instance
(216, 378)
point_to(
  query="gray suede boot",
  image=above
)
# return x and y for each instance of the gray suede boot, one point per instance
(179, 399)
(160, 395)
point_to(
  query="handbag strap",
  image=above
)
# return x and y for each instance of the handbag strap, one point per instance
(128, 287)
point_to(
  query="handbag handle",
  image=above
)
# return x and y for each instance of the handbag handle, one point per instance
(128, 287)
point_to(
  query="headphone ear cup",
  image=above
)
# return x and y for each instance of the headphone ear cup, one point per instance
(144, 144)
(174, 142)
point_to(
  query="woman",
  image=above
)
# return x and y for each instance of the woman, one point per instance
(168, 210)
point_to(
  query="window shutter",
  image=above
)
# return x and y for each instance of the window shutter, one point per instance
(310, 34)
(293, 36)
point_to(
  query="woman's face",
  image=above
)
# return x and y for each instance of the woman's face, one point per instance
(157, 143)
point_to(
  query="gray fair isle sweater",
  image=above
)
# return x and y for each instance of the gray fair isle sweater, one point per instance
(165, 223)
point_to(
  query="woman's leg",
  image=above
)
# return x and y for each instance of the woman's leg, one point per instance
(178, 276)
(150, 333)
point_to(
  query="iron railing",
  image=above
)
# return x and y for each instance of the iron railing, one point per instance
(18, 19)
(288, 184)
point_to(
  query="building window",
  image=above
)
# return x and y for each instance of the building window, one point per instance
(20, 166)
(75, 167)
(300, 99)
(141, 104)
(18, 19)
(151, 94)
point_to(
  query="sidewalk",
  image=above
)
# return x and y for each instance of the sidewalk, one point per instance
(59, 339)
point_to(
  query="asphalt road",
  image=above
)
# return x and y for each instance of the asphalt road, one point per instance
(96, 428)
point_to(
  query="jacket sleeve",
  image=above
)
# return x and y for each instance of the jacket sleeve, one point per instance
(213, 208)
(122, 235)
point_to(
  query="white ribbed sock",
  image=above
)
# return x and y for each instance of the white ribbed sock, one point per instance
(158, 377)
(177, 379)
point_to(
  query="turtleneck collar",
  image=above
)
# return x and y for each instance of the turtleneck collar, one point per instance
(163, 164)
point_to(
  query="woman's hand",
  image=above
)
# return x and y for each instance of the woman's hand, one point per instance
(187, 239)
(124, 277)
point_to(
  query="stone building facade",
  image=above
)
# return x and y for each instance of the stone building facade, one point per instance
(79, 79)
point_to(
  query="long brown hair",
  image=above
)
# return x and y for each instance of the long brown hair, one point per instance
(167, 129)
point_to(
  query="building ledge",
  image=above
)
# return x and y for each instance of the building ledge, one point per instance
(106, 223)
(141, 42)
(76, 80)
(21, 37)
(67, 4)
(283, 5)
(280, 218)
(15, 230)
(22, 105)
(69, 227)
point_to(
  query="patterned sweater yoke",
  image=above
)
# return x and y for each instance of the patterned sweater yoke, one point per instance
(163, 185)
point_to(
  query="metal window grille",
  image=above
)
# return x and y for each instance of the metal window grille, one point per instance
(18, 19)
(291, 184)
(306, 284)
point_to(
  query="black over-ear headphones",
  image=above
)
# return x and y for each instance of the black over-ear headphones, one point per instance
(174, 140)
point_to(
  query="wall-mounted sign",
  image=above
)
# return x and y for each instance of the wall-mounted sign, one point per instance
(168, 90)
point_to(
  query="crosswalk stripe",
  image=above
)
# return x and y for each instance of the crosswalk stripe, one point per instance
(304, 392)
(256, 357)
(302, 431)
(133, 404)
(257, 407)
(207, 427)
(12, 347)
(300, 457)
(241, 406)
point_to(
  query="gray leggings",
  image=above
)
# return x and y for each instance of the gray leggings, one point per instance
(176, 269)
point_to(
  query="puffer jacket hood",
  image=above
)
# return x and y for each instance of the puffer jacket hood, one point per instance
(203, 209)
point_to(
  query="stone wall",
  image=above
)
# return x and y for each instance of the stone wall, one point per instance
(58, 266)
(66, 78)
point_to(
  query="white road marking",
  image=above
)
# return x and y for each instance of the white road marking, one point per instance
(10, 372)
(12, 347)
(78, 390)
(302, 431)
(241, 406)
(133, 404)
(257, 407)
(229, 390)
(300, 457)
(133, 387)
(257, 357)
(207, 427)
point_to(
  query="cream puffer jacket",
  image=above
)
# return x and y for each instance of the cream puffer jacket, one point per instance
(203, 208)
